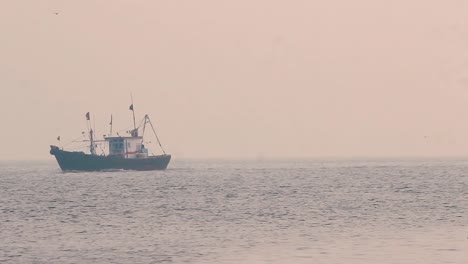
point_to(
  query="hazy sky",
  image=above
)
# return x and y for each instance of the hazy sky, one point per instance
(239, 79)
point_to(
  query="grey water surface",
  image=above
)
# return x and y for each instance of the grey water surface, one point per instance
(354, 211)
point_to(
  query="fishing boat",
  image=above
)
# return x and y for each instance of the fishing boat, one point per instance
(123, 152)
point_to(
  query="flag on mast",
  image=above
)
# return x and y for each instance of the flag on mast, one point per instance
(87, 116)
(131, 107)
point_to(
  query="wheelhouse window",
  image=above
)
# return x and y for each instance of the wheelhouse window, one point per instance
(116, 146)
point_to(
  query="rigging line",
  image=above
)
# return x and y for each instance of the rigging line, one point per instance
(82, 146)
(141, 122)
(68, 143)
(124, 129)
(157, 138)
(129, 127)
(94, 124)
(102, 150)
(87, 140)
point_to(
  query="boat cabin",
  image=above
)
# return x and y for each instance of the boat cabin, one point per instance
(127, 147)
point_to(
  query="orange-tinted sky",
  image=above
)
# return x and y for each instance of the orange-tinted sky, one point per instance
(240, 79)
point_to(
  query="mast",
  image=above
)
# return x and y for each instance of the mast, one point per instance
(144, 125)
(91, 135)
(134, 131)
(91, 139)
(110, 134)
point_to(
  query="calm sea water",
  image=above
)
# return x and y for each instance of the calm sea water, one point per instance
(237, 212)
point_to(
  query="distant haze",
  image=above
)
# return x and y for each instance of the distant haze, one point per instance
(239, 79)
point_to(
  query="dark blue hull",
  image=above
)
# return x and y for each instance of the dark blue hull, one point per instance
(79, 161)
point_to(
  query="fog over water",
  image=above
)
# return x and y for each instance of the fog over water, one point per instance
(239, 79)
